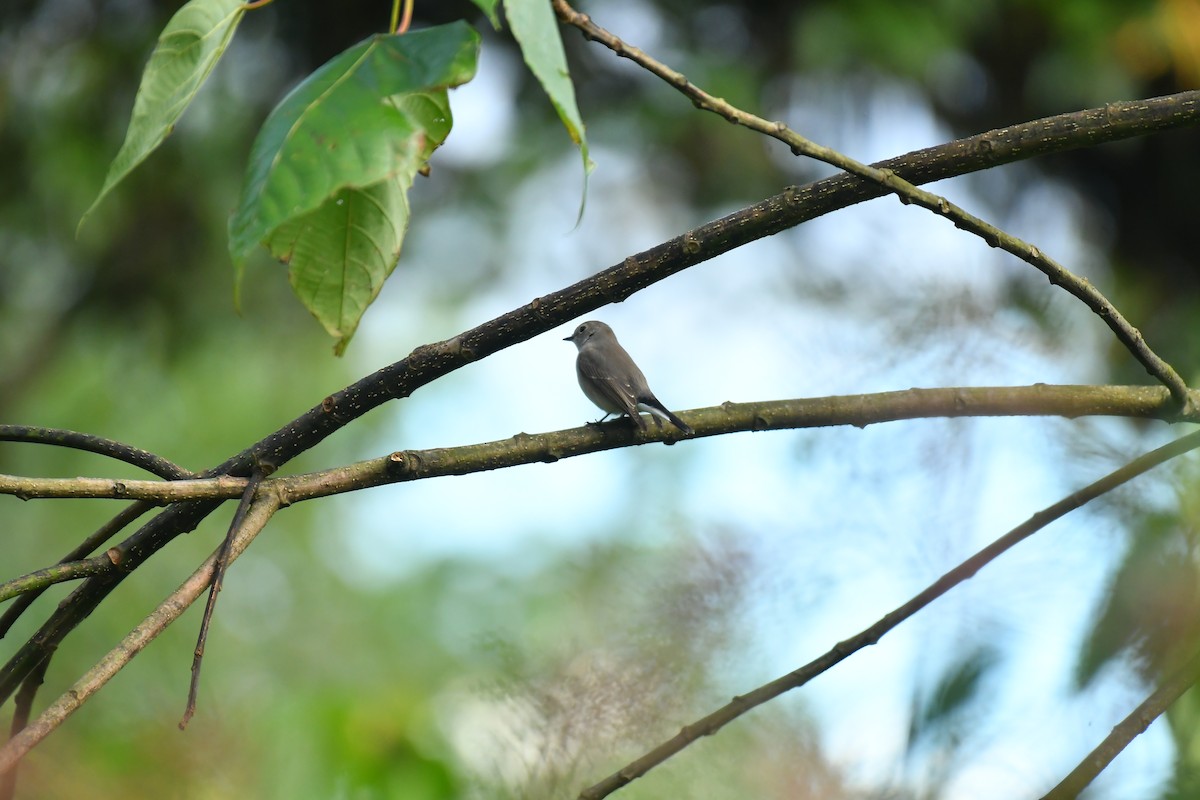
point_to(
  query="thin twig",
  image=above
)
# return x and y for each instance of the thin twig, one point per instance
(218, 580)
(143, 459)
(265, 505)
(713, 722)
(1058, 275)
(41, 579)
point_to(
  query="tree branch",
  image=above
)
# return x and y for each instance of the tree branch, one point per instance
(143, 459)
(1144, 402)
(265, 505)
(713, 722)
(43, 578)
(908, 192)
(214, 590)
(157, 492)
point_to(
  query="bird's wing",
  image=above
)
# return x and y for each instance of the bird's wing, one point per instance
(618, 393)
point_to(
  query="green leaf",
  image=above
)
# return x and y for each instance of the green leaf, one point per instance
(328, 174)
(187, 50)
(534, 28)
(489, 7)
(340, 254)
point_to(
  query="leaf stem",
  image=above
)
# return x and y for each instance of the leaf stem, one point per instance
(400, 22)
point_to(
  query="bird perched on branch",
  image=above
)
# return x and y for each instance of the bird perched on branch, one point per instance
(612, 381)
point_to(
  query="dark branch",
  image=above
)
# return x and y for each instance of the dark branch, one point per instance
(142, 459)
(220, 564)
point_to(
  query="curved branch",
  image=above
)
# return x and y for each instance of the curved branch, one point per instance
(713, 722)
(908, 192)
(143, 459)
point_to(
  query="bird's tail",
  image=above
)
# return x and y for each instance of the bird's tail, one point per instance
(656, 408)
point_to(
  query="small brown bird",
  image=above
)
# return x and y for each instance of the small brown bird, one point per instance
(612, 381)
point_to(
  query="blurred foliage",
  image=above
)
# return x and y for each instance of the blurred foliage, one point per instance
(1152, 610)
(948, 709)
(129, 332)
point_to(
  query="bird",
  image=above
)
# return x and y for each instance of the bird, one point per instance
(612, 381)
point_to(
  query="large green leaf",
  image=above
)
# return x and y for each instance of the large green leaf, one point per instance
(325, 187)
(534, 28)
(340, 254)
(187, 50)
(365, 227)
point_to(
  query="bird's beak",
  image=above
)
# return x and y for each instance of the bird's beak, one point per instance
(568, 338)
